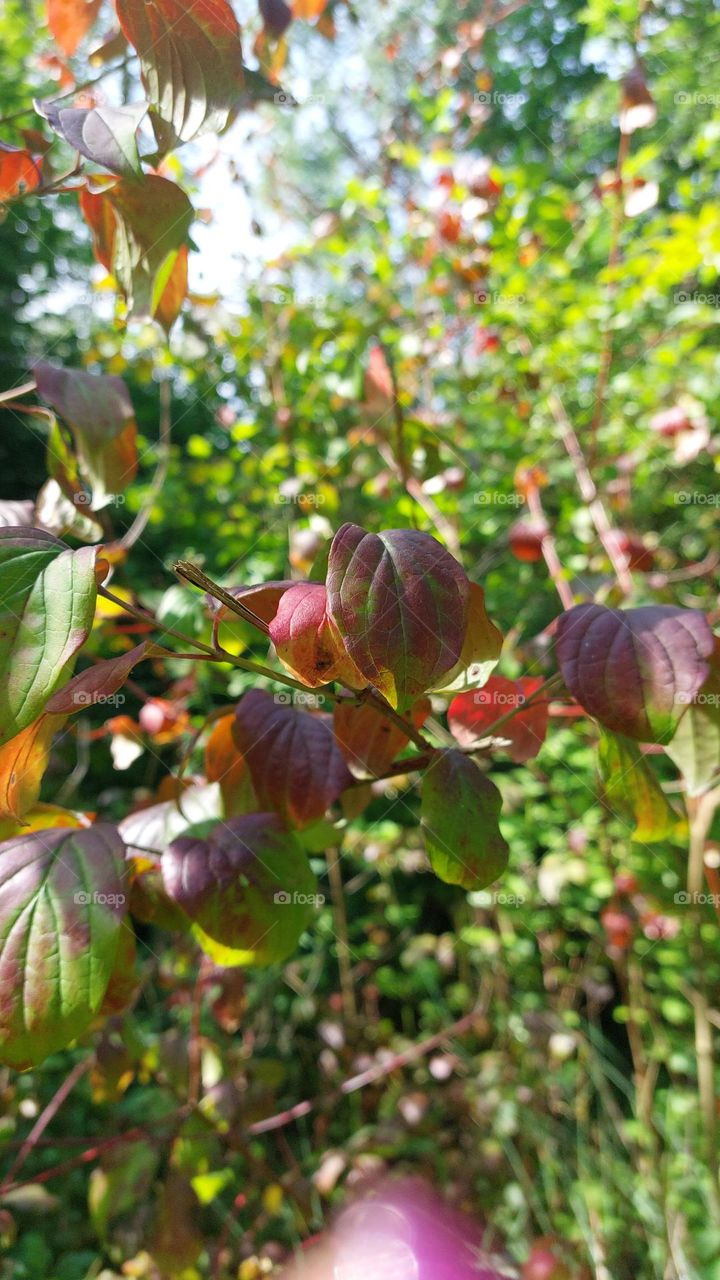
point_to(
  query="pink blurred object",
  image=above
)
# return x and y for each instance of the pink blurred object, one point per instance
(405, 1232)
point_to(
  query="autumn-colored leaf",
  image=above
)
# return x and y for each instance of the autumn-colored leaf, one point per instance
(471, 714)
(62, 904)
(296, 767)
(246, 887)
(70, 20)
(97, 683)
(635, 670)
(308, 9)
(481, 648)
(225, 765)
(305, 641)
(191, 59)
(98, 410)
(399, 601)
(140, 230)
(632, 789)
(47, 601)
(23, 761)
(20, 172)
(369, 741)
(460, 811)
(695, 745)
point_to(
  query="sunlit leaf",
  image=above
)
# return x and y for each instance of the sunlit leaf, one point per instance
(368, 740)
(460, 812)
(23, 761)
(471, 714)
(399, 601)
(246, 886)
(47, 600)
(140, 230)
(635, 670)
(305, 641)
(695, 745)
(70, 20)
(480, 651)
(105, 135)
(62, 903)
(19, 171)
(191, 59)
(633, 791)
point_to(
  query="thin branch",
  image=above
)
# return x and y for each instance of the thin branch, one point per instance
(377, 1072)
(589, 493)
(43, 1120)
(23, 390)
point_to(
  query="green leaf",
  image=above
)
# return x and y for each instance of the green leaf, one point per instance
(632, 789)
(47, 602)
(460, 812)
(62, 904)
(695, 746)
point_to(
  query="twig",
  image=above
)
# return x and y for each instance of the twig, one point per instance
(137, 528)
(589, 493)
(372, 1074)
(23, 390)
(44, 1119)
(341, 935)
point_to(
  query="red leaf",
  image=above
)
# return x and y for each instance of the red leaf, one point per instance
(296, 767)
(19, 171)
(98, 213)
(368, 740)
(305, 641)
(96, 684)
(400, 603)
(635, 670)
(70, 21)
(471, 714)
(191, 59)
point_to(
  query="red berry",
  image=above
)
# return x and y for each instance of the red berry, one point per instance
(526, 537)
